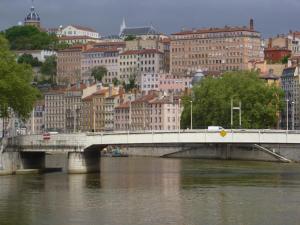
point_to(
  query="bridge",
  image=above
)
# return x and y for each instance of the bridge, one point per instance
(84, 148)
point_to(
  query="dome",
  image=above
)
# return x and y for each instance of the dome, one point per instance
(198, 76)
(33, 15)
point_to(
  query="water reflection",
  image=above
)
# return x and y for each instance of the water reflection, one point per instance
(156, 191)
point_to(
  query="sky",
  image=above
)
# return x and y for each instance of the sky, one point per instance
(271, 17)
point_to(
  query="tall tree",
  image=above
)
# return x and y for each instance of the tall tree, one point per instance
(49, 67)
(99, 72)
(211, 99)
(16, 91)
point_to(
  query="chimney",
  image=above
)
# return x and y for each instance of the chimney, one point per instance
(270, 43)
(251, 24)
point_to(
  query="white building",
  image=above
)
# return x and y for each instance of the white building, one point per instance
(145, 65)
(76, 30)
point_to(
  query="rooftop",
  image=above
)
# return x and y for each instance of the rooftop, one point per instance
(142, 51)
(79, 27)
(138, 31)
(215, 30)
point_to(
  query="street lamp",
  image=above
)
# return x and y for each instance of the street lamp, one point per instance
(239, 108)
(75, 118)
(293, 115)
(287, 114)
(179, 111)
(129, 113)
(191, 115)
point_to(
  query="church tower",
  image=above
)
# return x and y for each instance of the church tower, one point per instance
(123, 26)
(32, 18)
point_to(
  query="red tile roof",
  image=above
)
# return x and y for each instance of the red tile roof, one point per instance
(214, 30)
(76, 88)
(145, 98)
(123, 106)
(140, 52)
(95, 49)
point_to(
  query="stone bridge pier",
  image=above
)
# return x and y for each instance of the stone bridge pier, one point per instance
(87, 161)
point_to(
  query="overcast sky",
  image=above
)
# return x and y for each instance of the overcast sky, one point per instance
(168, 16)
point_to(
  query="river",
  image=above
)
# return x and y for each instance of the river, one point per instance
(132, 191)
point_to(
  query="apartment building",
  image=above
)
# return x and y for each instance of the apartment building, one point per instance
(55, 110)
(87, 116)
(144, 65)
(290, 83)
(121, 117)
(214, 49)
(96, 56)
(73, 107)
(69, 65)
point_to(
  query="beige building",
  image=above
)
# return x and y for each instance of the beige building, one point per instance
(73, 108)
(144, 65)
(121, 117)
(69, 65)
(55, 110)
(214, 49)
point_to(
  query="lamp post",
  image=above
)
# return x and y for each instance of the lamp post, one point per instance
(75, 117)
(287, 114)
(239, 108)
(293, 115)
(191, 115)
(94, 118)
(179, 111)
(129, 113)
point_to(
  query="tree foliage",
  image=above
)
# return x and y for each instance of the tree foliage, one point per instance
(29, 38)
(29, 59)
(115, 81)
(49, 67)
(99, 72)
(16, 91)
(211, 99)
(130, 38)
(131, 83)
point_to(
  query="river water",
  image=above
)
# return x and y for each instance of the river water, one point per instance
(131, 191)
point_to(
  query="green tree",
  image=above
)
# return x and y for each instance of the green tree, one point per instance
(131, 83)
(16, 91)
(115, 81)
(49, 68)
(285, 59)
(29, 38)
(99, 72)
(28, 59)
(261, 103)
(130, 38)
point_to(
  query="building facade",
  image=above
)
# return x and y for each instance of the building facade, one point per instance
(290, 82)
(144, 65)
(77, 30)
(105, 57)
(55, 110)
(69, 65)
(214, 49)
